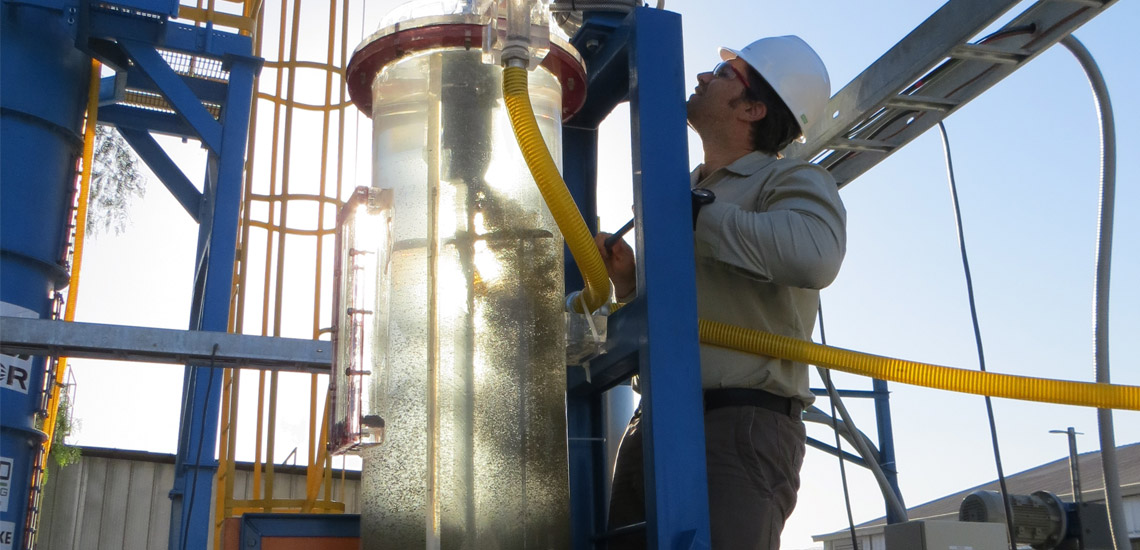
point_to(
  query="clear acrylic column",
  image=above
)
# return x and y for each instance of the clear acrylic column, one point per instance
(469, 370)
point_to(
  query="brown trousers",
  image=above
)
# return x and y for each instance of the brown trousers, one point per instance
(754, 457)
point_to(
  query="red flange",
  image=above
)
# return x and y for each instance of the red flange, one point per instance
(367, 61)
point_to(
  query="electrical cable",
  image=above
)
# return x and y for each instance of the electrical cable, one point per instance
(815, 414)
(893, 500)
(838, 446)
(977, 330)
(1117, 523)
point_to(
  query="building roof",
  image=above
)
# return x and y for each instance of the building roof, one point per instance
(1052, 477)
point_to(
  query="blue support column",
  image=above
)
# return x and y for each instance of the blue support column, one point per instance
(672, 414)
(580, 171)
(195, 465)
(588, 475)
(639, 58)
(886, 441)
(586, 436)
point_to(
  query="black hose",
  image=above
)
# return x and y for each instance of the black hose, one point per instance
(838, 446)
(977, 332)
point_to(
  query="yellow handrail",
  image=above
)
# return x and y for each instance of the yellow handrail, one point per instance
(268, 200)
(77, 252)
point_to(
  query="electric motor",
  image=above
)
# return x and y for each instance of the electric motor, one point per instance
(1039, 519)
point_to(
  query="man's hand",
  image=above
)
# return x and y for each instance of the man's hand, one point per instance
(620, 264)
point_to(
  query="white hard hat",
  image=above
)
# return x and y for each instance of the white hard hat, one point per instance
(794, 70)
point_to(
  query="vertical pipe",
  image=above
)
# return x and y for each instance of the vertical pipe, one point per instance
(1075, 468)
(314, 473)
(243, 261)
(1112, 495)
(433, 154)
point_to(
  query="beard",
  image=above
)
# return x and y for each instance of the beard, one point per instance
(694, 113)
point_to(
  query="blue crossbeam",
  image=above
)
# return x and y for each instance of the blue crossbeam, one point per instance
(123, 116)
(176, 92)
(205, 90)
(162, 33)
(831, 450)
(169, 173)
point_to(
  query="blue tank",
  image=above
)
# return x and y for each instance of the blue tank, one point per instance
(44, 91)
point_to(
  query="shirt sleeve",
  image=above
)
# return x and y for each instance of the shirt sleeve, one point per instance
(794, 235)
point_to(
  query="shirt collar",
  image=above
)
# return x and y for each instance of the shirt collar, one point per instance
(750, 164)
(744, 166)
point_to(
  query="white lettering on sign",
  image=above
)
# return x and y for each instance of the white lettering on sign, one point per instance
(7, 534)
(15, 370)
(5, 481)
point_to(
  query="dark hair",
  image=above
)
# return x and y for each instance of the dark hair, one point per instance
(778, 128)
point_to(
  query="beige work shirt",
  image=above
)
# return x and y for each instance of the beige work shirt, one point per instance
(773, 237)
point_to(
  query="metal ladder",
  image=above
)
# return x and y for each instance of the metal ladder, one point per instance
(931, 73)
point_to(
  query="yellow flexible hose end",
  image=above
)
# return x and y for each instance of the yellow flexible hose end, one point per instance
(553, 189)
(1103, 396)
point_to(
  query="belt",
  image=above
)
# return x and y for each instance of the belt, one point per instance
(744, 397)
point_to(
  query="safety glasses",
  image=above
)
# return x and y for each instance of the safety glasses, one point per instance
(724, 69)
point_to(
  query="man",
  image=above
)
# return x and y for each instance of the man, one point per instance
(769, 232)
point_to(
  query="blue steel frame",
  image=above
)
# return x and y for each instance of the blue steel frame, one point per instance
(640, 59)
(128, 36)
(255, 527)
(131, 44)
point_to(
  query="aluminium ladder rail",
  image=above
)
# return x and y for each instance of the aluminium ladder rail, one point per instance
(931, 73)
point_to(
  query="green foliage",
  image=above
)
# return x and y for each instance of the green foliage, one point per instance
(116, 179)
(61, 452)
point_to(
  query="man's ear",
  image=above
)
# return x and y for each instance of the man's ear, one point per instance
(754, 110)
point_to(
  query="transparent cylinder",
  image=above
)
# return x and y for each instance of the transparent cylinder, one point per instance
(470, 374)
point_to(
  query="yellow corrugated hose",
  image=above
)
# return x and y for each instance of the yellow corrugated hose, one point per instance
(585, 251)
(1088, 394)
(553, 189)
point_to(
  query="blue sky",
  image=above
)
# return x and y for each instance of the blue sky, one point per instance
(1026, 156)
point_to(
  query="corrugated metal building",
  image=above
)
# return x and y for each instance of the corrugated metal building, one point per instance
(1052, 477)
(114, 499)
(118, 500)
